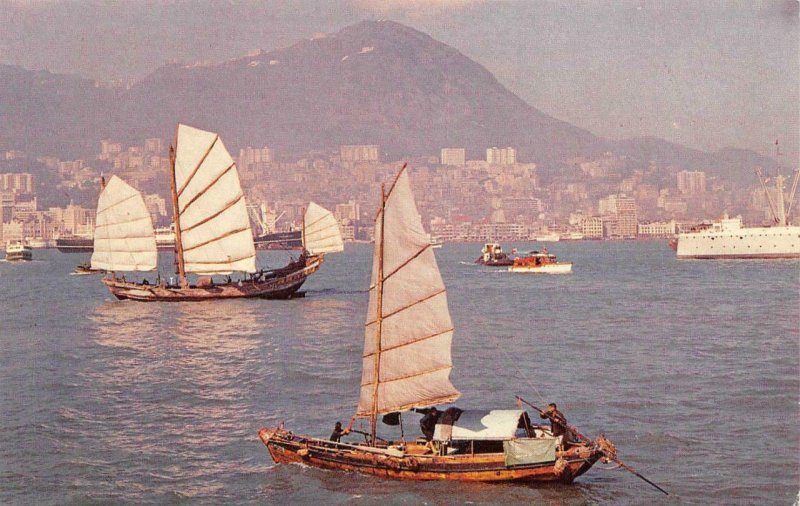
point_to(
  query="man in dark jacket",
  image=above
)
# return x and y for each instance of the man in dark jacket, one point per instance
(558, 422)
(338, 432)
(427, 424)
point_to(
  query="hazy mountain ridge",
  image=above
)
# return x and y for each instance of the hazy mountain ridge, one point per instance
(371, 83)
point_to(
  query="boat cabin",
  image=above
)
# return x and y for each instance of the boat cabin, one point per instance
(507, 431)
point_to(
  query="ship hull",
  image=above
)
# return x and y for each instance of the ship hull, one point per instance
(505, 262)
(281, 284)
(286, 448)
(740, 243)
(19, 256)
(558, 268)
(280, 241)
(75, 245)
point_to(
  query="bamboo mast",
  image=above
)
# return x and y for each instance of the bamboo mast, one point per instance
(373, 420)
(176, 217)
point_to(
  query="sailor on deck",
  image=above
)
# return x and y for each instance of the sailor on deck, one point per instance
(558, 422)
(338, 432)
(428, 425)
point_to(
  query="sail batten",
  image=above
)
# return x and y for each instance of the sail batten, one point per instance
(216, 237)
(124, 239)
(118, 203)
(387, 276)
(206, 220)
(390, 348)
(409, 306)
(198, 165)
(321, 232)
(408, 332)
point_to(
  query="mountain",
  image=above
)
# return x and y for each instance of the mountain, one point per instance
(371, 83)
(52, 114)
(375, 82)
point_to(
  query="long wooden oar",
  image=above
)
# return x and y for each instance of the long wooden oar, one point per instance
(585, 439)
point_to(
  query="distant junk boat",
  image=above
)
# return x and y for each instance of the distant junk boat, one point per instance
(212, 232)
(406, 366)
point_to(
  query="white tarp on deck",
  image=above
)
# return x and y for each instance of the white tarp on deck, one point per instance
(479, 425)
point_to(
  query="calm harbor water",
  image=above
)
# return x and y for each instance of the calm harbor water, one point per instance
(692, 368)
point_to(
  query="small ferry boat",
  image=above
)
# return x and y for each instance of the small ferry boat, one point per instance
(540, 262)
(17, 251)
(493, 255)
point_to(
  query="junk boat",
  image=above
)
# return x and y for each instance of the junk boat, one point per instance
(540, 262)
(17, 251)
(406, 365)
(212, 232)
(493, 255)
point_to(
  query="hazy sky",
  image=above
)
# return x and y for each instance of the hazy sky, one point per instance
(704, 74)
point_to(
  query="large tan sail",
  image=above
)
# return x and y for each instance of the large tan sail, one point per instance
(408, 346)
(123, 236)
(215, 230)
(321, 232)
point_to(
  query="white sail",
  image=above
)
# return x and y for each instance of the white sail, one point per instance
(321, 232)
(409, 346)
(215, 231)
(123, 234)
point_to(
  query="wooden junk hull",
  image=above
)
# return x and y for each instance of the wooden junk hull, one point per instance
(280, 284)
(285, 448)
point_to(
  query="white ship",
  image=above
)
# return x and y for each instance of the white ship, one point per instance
(729, 238)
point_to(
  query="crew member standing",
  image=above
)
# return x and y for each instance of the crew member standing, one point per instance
(338, 432)
(558, 422)
(428, 425)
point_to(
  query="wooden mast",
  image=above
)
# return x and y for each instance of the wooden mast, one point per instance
(373, 420)
(176, 217)
(303, 231)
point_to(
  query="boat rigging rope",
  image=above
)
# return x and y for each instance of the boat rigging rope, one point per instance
(524, 377)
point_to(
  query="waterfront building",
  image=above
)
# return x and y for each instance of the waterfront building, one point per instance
(623, 211)
(453, 156)
(658, 229)
(592, 227)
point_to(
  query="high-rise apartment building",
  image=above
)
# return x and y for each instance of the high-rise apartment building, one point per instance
(453, 156)
(17, 182)
(360, 153)
(501, 156)
(248, 156)
(692, 182)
